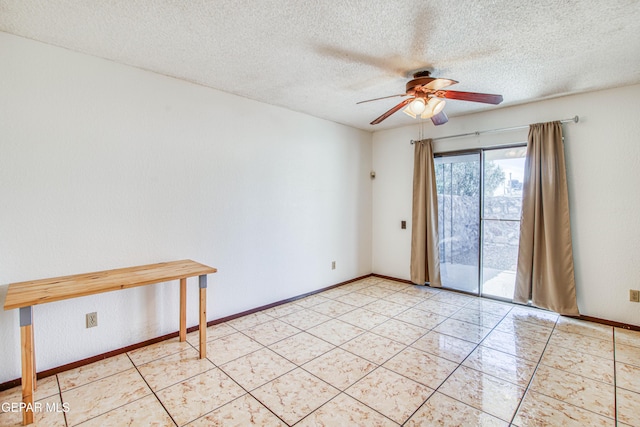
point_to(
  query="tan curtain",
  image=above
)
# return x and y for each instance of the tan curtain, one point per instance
(545, 273)
(425, 260)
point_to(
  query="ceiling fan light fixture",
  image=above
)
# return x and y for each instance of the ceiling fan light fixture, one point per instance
(435, 105)
(416, 107)
(409, 113)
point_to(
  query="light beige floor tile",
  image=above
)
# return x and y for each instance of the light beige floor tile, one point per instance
(404, 299)
(446, 346)
(583, 327)
(484, 392)
(502, 365)
(421, 291)
(628, 354)
(364, 319)
(295, 395)
(305, 319)
(335, 331)
(283, 309)
(339, 368)
(625, 336)
(173, 369)
(534, 315)
(101, 396)
(477, 317)
(391, 394)
(199, 395)
(368, 281)
(386, 308)
(579, 363)
(463, 330)
(94, 371)
(628, 377)
(627, 402)
(373, 347)
(443, 411)
(337, 292)
(48, 412)
(257, 368)
(146, 411)
(422, 367)
(376, 291)
(249, 321)
(438, 307)
(523, 329)
(333, 308)
(393, 284)
(301, 348)
(593, 346)
(230, 347)
(356, 286)
(574, 389)
(46, 387)
(454, 298)
(311, 300)
(399, 331)
(356, 299)
(423, 319)
(523, 348)
(269, 332)
(244, 411)
(156, 351)
(213, 332)
(491, 307)
(345, 411)
(540, 410)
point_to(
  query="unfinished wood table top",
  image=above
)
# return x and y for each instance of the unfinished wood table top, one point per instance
(24, 294)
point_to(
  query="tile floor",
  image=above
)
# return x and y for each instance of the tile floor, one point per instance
(369, 353)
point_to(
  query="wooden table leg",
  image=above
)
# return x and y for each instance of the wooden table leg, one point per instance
(26, 344)
(183, 309)
(203, 316)
(33, 351)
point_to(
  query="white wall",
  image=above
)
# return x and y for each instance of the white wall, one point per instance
(105, 166)
(603, 162)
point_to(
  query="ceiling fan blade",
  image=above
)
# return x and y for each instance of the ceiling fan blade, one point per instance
(437, 84)
(391, 111)
(440, 118)
(384, 97)
(487, 98)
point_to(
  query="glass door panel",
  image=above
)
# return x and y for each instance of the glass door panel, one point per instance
(502, 203)
(458, 186)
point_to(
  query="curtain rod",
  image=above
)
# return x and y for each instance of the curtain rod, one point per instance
(574, 119)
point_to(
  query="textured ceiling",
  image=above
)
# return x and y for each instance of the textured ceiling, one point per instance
(322, 56)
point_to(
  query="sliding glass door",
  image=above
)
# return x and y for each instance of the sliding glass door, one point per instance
(458, 184)
(502, 204)
(479, 204)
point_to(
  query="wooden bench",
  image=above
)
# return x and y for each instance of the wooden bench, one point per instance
(25, 295)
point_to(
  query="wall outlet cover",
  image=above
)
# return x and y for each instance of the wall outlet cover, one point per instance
(92, 320)
(634, 295)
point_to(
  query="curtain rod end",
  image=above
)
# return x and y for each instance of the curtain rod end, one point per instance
(576, 119)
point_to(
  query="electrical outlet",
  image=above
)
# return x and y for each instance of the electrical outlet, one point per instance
(634, 295)
(333, 265)
(92, 320)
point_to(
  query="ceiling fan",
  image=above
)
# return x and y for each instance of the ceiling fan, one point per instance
(426, 101)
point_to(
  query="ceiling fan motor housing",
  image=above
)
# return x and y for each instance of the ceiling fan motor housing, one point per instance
(418, 86)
